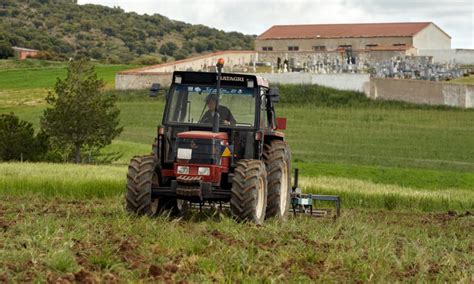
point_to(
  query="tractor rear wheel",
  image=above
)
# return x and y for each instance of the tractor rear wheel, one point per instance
(277, 160)
(141, 175)
(249, 191)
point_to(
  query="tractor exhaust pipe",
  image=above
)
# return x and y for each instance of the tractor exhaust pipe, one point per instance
(215, 123)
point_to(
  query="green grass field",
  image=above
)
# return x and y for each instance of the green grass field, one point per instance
(40, 76)
(45, 75)
(465, 80)
(405, 174)
(341, 137)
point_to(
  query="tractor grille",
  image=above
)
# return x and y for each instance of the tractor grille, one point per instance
(204, 151)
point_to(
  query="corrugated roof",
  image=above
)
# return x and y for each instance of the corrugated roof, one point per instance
(343, 30)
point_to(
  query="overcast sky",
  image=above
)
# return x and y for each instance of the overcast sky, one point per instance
(456, 17)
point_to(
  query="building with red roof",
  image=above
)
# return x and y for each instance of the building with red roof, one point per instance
(424, 35)
(373, 41)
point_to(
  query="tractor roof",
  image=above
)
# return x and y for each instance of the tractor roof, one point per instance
(210, 78)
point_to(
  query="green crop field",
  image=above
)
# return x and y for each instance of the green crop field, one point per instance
(405, 174)
(28, 82)
(13, 74)
(465, 80)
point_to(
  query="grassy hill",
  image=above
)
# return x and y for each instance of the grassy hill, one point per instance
(66, 29)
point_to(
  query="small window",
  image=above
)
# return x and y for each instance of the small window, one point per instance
(344, 46)
(372, 45)
(293, 48)
(319, 47)
(267, 48)
(399, 44)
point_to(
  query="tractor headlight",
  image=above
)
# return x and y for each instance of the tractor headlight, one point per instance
(183, 170)
(204, 171)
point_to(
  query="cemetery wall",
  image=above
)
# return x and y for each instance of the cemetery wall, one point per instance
(413, 91)
(140, 81)
(422, 92)
(343, 81)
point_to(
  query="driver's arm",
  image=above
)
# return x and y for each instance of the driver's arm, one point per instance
(227, 116)
(207, 117)
(231, 119)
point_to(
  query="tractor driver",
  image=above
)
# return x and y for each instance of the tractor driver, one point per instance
(225, 115)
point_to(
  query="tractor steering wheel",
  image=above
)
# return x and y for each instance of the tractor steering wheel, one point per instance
(210, 119)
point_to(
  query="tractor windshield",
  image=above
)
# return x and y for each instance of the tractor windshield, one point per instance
(197, 105)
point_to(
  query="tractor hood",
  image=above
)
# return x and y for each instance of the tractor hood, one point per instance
(200, 147)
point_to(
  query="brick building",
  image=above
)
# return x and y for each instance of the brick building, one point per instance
(302, 44)
(23, 53)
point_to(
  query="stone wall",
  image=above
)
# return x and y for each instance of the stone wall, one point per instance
(413, 91)
(422, 92)
(139, 81)
(352, 82)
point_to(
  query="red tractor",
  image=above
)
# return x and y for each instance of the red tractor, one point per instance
(219, 142)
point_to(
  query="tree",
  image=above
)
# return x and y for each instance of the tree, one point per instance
(81, 116)
(180, 54)
(200, 46)
(6, 50)
(17, 140)
(168, 48)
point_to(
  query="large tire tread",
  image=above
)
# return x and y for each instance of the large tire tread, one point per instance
(275, 154)
(244, 190)
(139, 181)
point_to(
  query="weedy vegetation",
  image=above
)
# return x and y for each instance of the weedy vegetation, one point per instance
(94, 239)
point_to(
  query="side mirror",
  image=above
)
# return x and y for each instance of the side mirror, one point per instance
(274, 95)
(155, 88)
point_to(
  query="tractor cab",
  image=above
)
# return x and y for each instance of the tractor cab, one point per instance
(206, 129)
(210, 120)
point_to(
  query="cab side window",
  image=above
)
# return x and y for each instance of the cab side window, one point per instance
(263, 109)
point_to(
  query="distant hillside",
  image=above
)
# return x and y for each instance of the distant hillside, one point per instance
(66, 29)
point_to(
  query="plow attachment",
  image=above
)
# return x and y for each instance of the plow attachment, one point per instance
(305, 203)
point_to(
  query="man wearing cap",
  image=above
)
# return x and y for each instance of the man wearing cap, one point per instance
(225, 115)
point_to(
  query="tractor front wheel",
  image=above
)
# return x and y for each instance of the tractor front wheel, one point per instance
(277, 160)
(141, 175)
(249, 191)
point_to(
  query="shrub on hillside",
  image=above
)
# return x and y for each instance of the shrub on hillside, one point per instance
(180, 55)
(17, 139)
(146, 60)
(168, 48)
(6, 50)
